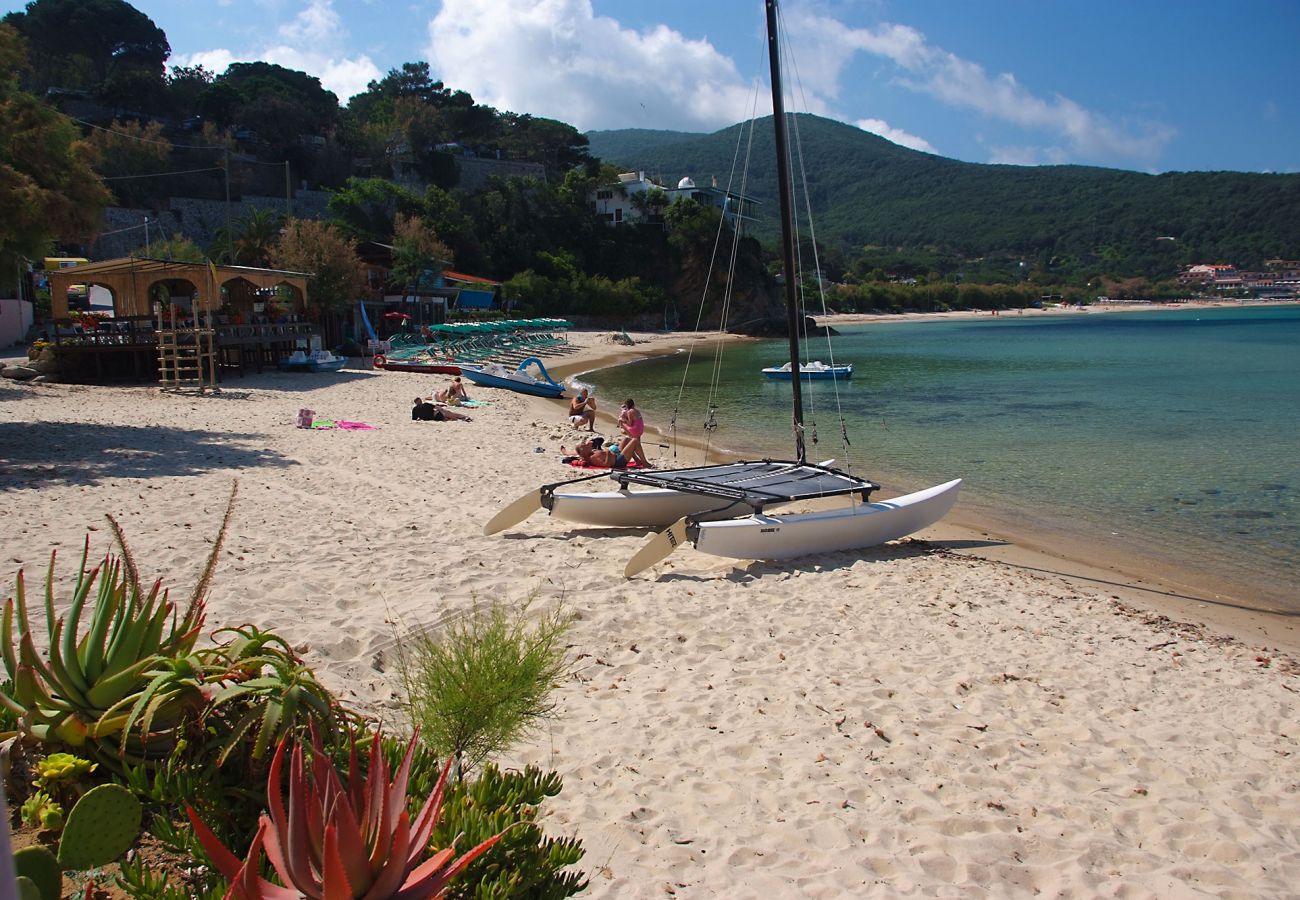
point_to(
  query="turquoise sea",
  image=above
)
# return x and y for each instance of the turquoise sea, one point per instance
(1170, 435)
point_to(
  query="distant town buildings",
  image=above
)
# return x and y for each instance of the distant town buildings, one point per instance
(634, 198)
(1280, 281)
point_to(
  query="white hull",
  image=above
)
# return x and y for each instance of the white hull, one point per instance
(852, 528)
(648, 508)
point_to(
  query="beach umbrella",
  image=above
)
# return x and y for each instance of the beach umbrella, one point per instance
(396, 315)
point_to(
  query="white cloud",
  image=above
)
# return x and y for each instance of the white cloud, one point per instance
(1024, 156)
(897, 135)
(963, 84)
(215, 61)
(314, 41)
(556, 58)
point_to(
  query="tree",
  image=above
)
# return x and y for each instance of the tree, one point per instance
(251, 239)
(557, 145)
(47, 187)
(176, 248)
(366, 207)
(185, 85)
(411, 81)
(121, 46)
(416, 249)
(127, 155)
(314, 109)
(330, 259)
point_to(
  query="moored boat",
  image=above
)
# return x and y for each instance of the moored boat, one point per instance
(520, 379)
(810, 370)
(319, 361)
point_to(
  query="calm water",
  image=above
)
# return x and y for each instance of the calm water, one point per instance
(1175, 434)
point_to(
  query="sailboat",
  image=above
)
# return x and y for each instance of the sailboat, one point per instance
(722, 509)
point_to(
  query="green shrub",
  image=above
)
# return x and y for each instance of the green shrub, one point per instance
(525, 863)
(484, 682)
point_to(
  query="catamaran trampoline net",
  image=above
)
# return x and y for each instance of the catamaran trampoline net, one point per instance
(756, 483)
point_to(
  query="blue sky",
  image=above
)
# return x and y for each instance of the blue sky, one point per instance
(1151, 86)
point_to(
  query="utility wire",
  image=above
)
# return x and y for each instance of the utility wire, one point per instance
(161, 174)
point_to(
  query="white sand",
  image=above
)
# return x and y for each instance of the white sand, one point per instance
(909, 720)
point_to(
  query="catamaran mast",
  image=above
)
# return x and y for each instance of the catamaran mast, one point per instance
(787, 229)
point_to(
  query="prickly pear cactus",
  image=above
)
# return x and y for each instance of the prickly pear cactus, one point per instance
(27, 889)
(41, 869)
(101, 827)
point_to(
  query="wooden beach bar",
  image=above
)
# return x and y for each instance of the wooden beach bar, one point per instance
(182, 314)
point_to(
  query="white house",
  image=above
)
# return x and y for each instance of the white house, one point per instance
(621, 202)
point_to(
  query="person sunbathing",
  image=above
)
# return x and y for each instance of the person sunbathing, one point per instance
(453, 393)
(424, 411)
(601, 457)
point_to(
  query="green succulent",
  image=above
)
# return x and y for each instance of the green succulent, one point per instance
(125, 680)
(41, 811)
(268, 691)
(61, 769)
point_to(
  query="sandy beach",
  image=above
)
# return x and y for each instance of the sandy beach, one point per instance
(956, 715)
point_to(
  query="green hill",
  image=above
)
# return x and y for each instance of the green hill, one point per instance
(867, 192)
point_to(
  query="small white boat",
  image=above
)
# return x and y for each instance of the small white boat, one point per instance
(812, 370)
(324, 361)
(319, 361)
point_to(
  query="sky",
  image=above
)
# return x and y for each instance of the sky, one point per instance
(1152, 86)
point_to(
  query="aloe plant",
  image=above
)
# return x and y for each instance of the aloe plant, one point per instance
(331, 840)
(269, 690)
(127, 673)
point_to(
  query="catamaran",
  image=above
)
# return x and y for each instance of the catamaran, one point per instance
(723, 509)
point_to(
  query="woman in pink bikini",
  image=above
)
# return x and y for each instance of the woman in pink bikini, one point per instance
(632, 425)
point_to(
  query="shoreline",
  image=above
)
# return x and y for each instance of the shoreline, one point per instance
(833, 319)
(1159, 587)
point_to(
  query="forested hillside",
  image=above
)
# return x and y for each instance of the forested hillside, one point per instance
(869, 193)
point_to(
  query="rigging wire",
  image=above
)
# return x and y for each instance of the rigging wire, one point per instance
(821, 289)
(710, 421)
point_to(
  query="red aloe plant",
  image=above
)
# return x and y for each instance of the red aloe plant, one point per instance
(336, 842)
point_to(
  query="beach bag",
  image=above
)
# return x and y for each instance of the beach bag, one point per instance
(304, 417)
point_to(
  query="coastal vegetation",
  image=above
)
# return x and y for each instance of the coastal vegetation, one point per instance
(111, 731)
(896, 228)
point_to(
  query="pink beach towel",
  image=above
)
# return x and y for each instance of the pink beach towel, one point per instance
(577, 463)
(323, 424)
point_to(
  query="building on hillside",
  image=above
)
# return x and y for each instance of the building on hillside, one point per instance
(1210, 275)
(1281, 281)
(636, 199)
(1284, 269)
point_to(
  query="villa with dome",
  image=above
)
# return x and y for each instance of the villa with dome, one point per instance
(636, 199)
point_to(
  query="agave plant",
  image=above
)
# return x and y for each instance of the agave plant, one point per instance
(269, 689)
(132, 671)
(335, 841)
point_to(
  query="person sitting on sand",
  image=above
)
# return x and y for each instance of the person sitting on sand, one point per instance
(633, 426)
(453, 393)
(582, 410)
(424, 411)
